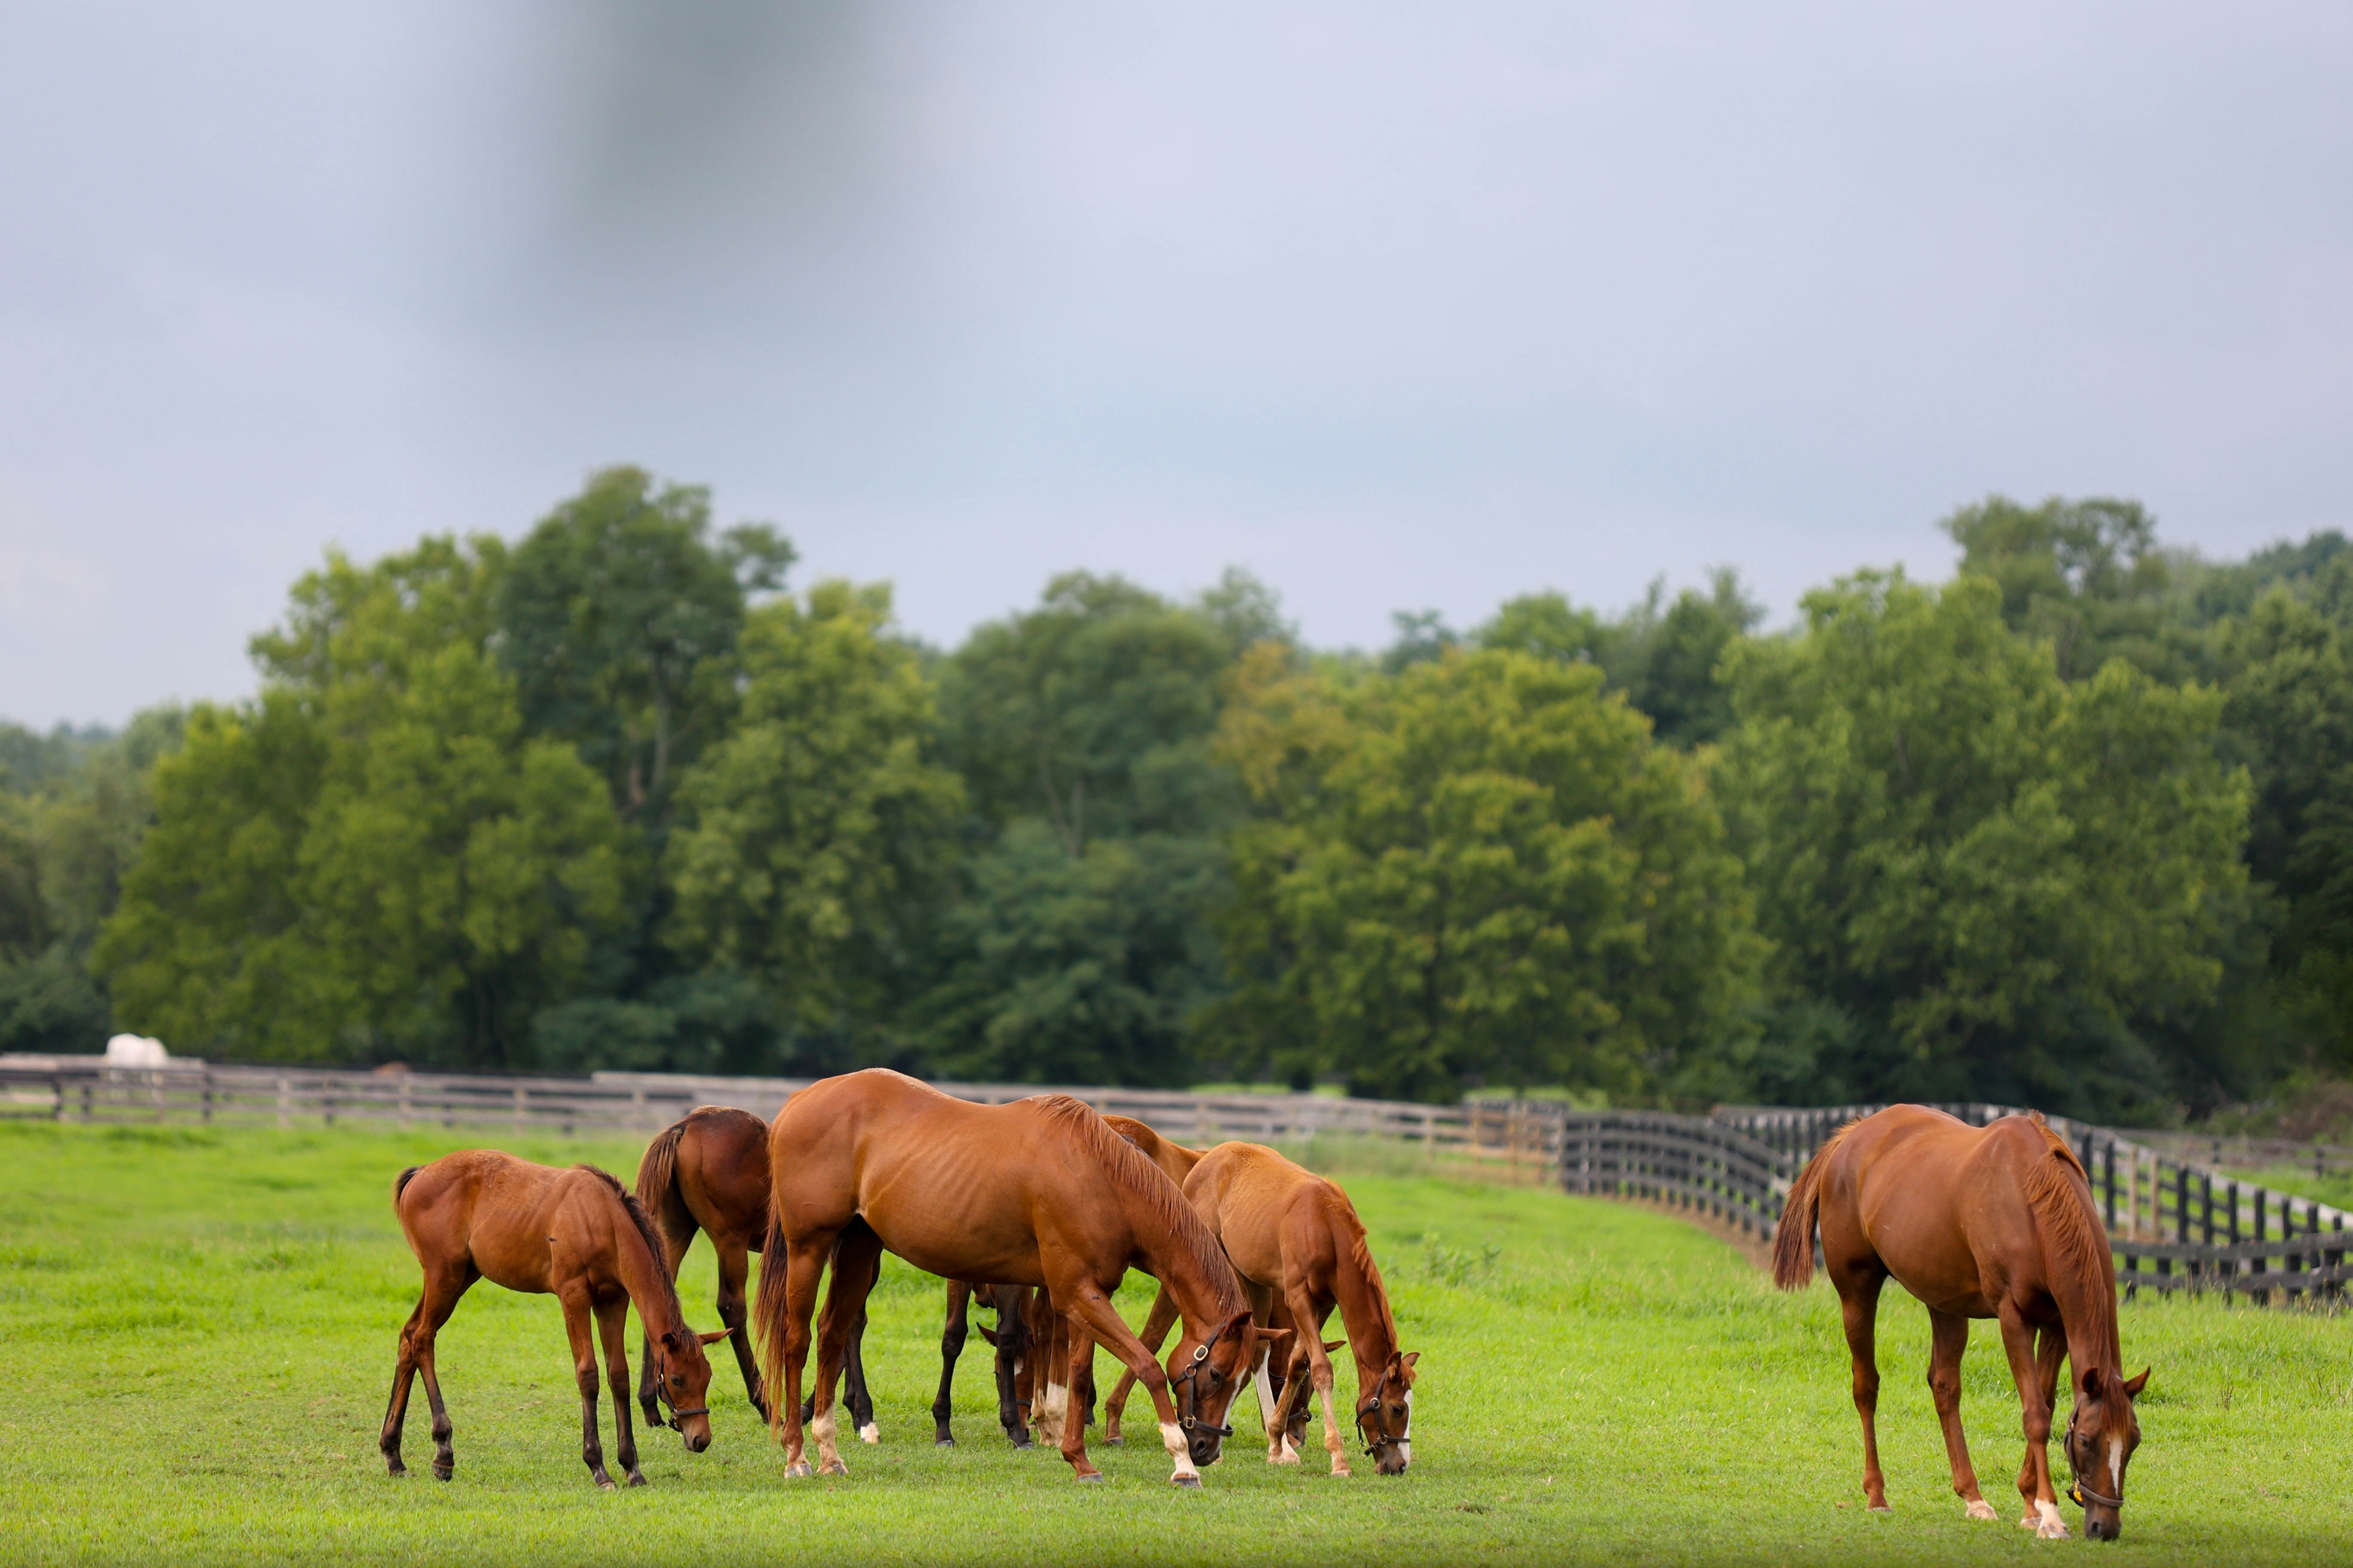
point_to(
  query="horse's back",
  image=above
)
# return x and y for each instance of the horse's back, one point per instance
(1936, 1202)
(954, 1187)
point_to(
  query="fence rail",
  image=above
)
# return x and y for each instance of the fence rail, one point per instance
(2175, 1226)
(68, 1089)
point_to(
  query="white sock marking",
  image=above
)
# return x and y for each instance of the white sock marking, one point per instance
(870, 1433)
(1172, 1437)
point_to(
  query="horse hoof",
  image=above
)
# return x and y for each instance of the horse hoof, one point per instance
(797, 1469)
(1092, 1476)
(834, 1468)
(1879, 1508)
(443, 1472)
(1112, 1442)
(1338, 1470)
(636, 1480)
(607, 1484)
(1193, 1482)
(944, 1443)
(1981, 1509)
(870, 1433)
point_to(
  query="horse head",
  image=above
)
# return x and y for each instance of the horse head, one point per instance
(682, 1379)
(1206, 1374)
(2101, 1436)
(1385, 1415)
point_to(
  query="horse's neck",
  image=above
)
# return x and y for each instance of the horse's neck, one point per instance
(1364, 1308)
(642, 1275)
(1201, 1299)
(2087, 1306)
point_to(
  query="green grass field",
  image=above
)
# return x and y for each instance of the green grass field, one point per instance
(199, 1332)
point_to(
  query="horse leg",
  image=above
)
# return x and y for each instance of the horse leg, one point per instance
(1049, 1398)
(443, 1286)
(1157, 1324)
(612, 1327)
(1858, 1308)
(1093, 1315)
(1949, 1338)
(862, 1403)
(952, 1333)
(805, 1256)
(2034, 1408)
(1307, 1344)
(1014, 1364)
(577, 1313)
(856, 1255)
(734, 1269)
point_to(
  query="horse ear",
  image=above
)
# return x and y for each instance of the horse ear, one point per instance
(2093, 1383)
(988, 1333)
(714, 1336)
(1273, 1336)
(2133, 1386)
(1409, 1357)
(1331, 1345)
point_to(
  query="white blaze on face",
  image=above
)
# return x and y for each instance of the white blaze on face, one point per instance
(2116, 1467)
(1405, 1444)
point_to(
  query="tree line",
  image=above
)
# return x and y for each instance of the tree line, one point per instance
(2074, 828)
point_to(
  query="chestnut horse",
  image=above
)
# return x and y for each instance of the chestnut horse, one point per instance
(708, 1170)
(1038, 1192)
(1300, 1250)
(1055, 1403)
(1993, 1222)
(574, 1235)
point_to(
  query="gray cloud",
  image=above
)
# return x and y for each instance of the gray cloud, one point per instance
(1398, 305)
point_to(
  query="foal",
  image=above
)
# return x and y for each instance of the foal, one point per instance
(1993, 1222)
(1300, 1248)
(708, 1170)
(573, 1234)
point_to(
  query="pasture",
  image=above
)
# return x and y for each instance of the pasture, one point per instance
(199, 1329)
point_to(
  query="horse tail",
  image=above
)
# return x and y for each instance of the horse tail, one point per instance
(768, 1313)
(1793, 1238)
(658, 1180)
(400, 1185)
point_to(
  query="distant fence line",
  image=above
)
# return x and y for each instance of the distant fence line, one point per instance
(2174, 1224)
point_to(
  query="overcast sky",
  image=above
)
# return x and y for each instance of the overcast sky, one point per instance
(1399, 306)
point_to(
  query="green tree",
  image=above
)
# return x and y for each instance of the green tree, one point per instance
(2086, 575)
(2290, 703)
(617, 618)
(1666, 657)
(817, 833)
(1981, 881)
(1086, 725)
(1479, 870)
(373, 859)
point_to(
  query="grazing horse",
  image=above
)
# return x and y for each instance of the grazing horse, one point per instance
(1038, 1192)
(1014, 1360)
(1296, 1241)
(574, 1235)
(1993, 1222)
(708, 1170)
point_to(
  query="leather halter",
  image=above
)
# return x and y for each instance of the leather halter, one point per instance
(1190, 1397)
(2076, 1490)
(1369, 1409)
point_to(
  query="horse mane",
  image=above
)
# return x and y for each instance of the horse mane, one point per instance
(1360, 1253)
(2067, 1223)
(1149, 1184)
(1793, 1236)
(637, 1212)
